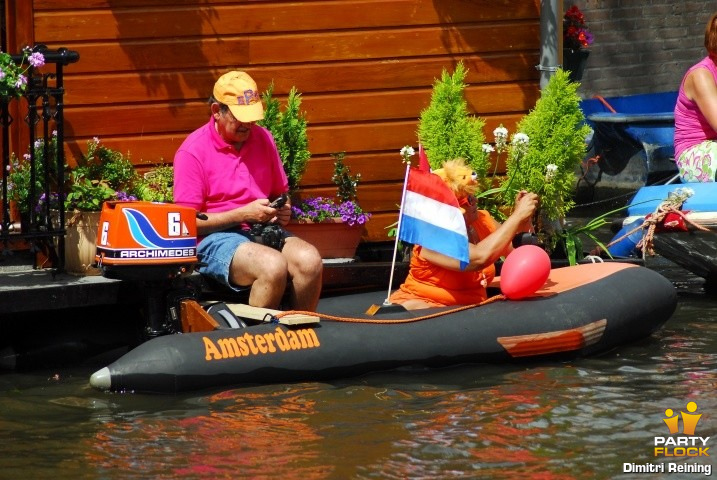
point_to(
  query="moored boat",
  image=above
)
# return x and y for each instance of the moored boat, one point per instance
(581, 310)
(632, 143)
(688, 237)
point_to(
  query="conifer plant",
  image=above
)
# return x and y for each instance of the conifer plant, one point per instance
(288, 128)
(557, 133)
(446, 128)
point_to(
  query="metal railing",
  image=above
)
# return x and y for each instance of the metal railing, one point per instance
(43, 226)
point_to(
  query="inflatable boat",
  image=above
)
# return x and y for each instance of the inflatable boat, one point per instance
(192, 344)
(582, 310)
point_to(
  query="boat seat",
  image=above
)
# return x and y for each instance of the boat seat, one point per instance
(211, 290)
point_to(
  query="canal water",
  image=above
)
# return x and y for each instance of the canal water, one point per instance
(593, 418)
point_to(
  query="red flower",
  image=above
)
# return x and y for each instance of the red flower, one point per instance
(575, 33)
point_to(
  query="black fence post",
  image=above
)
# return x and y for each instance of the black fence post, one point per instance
(40, 226)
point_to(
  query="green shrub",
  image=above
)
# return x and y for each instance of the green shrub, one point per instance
(19, 176)
(101, 174)
(447, 131)
(556, 146)
(157, 185)
(288, 128)
(346, 184)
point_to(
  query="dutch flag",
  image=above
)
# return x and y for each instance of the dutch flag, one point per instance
(431, 217)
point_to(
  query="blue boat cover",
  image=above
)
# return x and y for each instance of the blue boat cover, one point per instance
(647, 199)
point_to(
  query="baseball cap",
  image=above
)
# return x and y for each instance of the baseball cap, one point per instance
(238, 91)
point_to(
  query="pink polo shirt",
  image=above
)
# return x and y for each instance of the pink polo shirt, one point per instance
(691, 126)
(211, 176)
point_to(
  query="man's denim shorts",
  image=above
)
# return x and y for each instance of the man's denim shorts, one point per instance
(216, 250)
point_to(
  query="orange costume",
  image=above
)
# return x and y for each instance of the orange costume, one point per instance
(442, 287)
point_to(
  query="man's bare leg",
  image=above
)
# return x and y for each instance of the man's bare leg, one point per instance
(305, 273)
(265, 269)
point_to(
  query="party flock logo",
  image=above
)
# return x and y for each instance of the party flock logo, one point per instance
(683, 451)
(686, 445)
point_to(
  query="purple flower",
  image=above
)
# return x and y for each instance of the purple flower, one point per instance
(54, 201)
(124, 196)
(36, 59)
(319, 209)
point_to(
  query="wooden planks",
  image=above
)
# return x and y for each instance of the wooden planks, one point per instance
(110, 19)
(365, 69)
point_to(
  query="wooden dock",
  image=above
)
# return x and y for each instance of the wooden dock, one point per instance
(24, 289)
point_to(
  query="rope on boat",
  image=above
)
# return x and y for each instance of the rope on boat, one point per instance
(652, 221)
(602, 100)
(646, 244)
(495, 298)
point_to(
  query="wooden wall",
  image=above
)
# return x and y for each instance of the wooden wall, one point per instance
(365, 69)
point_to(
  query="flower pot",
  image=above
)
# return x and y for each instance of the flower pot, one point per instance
(13, 212)
(333, 238)
(574, 62)
(81, 242)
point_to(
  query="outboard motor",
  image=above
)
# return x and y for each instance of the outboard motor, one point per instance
(155, 246)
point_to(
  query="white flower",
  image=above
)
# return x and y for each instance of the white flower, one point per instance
(407, 151)
(501, 138)
(96, 140)
(500, 133)
(488, 148)
(550, 170)
(520, 139)
(519, 144)
(680, 195)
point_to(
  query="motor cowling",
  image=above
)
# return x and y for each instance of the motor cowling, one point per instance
(146, 240)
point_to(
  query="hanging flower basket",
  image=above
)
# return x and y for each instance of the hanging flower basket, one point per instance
(574, 62)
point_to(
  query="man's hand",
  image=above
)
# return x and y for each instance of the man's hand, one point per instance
(283, 215)
(257, 211)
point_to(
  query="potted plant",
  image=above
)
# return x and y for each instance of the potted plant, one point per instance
(288, 127)
(13, 78)
(446, 129)
(333, 225)
(576, 40)
(25, 196)
(544, 161)
(101, 174)
(156, 185)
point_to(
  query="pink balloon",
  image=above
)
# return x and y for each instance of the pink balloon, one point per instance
(524, 271)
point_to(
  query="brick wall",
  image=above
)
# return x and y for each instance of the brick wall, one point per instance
(641, 47)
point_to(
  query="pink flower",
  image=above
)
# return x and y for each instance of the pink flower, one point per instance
(36, 59)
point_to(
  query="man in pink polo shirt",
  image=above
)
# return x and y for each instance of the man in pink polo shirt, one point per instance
(230, 170)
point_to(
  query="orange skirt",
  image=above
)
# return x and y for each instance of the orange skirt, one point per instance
(399, 297)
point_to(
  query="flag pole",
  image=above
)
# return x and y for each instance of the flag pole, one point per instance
(398, 232)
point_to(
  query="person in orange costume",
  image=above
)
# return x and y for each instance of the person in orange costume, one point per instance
(436, 280)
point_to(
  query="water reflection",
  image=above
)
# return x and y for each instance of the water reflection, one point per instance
(580, 419)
